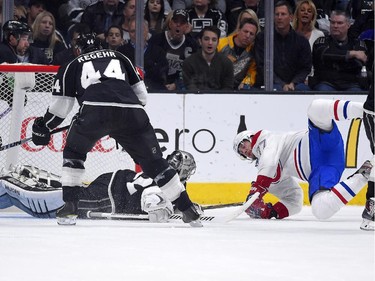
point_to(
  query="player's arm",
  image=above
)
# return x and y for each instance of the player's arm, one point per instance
(135, 76)
(61, 104)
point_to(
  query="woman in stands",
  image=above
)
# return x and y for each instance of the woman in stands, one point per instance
(45, 35)
(155, 15)
(304, 21)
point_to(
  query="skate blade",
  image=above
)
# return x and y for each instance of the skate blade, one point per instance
(70, 220)
(367, 225)
(196, 223)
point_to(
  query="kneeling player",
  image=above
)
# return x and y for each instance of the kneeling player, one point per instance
(39, 193)
(315, 156)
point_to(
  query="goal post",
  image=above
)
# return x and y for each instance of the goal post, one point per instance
(25, 93)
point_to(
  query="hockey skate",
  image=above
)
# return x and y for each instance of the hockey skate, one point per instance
(364, 170)
(67, 215)
(368, 215)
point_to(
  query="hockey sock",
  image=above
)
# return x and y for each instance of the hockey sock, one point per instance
(321, 112)
(326, 203)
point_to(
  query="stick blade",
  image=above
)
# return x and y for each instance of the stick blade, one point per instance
(242, 208)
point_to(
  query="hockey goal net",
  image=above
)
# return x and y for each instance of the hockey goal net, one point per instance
(25, 93)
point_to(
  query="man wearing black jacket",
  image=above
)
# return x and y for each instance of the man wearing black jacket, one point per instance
(16, 45)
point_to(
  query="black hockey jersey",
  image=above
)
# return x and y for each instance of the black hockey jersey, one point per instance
(102, 76)
(175, 54)
(212, 17)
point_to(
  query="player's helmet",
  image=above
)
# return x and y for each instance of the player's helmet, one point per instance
(15, 28)
(183, 162)
(244, 135)
(87, 43)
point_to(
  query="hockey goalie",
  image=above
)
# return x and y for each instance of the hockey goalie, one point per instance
(39, 193)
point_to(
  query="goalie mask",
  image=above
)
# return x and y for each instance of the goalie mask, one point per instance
(239, 140)
(183, 162)
(87, 42)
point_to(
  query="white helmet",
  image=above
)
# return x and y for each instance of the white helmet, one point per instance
(244, 135)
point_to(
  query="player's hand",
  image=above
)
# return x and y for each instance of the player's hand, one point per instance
(40, 133)
(256, 187)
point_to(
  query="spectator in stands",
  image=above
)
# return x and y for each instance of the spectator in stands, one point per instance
(363, 29)
(154, 15)
(20, 13)
(177, 46)
(155, 61)
(46, 37)
(234, 16)
(101, 15)
(16, 48)
(128, 14)
(114, 37)
(246, 14)
(201, 15)
(207, 69)
(304, 21)
(35, 7)
(292, 53)
(337, 58)
(238, 47)
(69, 54)
(70, 13)
(187, 4)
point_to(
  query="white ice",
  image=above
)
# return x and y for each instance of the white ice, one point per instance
(299, 248)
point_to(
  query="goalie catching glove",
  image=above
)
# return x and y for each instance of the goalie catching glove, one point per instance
(156, 204)
(40, 133)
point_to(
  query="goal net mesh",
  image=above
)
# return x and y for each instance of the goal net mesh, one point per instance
(16, 119)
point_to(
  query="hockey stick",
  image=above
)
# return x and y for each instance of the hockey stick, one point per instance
(20, 142)
(5, 112)
(219, 206)
(242, 208)
(136, 217)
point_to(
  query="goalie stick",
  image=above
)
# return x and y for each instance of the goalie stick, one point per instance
(144, 217)
(136, 217)
(20, 142)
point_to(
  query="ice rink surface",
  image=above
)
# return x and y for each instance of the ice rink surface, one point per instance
(299, 248)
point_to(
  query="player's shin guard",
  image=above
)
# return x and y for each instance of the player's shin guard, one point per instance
(170, 184)
(328, 202)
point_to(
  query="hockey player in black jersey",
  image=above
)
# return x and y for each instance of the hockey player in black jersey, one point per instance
(111, 96)
(39, 193)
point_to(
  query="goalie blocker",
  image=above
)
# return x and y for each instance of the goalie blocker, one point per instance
(39, 193)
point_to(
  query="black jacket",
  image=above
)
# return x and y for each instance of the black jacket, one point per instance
(8, 55)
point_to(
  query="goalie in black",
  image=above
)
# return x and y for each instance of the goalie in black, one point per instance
(39, 193)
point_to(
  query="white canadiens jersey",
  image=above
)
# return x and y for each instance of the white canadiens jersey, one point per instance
(282, 155)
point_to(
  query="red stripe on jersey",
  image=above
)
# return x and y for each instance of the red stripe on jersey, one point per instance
(296, 165)
(335, 109)
(266, 181)
(338, 194)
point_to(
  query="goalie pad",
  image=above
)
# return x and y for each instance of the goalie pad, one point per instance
(156, 204)
(26, 190)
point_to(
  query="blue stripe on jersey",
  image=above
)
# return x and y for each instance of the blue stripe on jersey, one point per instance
(345, 110)
(348, 189)
(299, 160)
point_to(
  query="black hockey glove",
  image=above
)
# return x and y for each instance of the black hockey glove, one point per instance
(41, 134)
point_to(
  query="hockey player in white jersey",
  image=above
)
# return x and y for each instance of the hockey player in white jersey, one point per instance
(315, 156)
